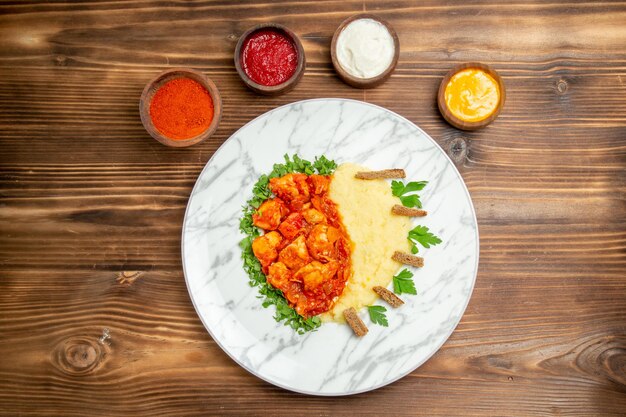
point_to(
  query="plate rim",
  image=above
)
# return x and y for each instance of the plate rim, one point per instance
(382, 384)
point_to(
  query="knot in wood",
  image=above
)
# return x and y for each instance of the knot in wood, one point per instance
(60, 60)
(614, 363)
(457, 149)
(81, 356)
(128, 277)
(78, 356)
(561, 86)
(604, 357)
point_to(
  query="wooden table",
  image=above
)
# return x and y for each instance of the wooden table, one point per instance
(95, 318)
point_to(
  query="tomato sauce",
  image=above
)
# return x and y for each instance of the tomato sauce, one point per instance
(305, 251)
(269, 57)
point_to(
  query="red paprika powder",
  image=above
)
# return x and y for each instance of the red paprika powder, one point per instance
(181, 109)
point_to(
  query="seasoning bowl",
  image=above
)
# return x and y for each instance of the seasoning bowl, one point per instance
(153, 86)
(357, 81)
(275, 89)
(464, 124)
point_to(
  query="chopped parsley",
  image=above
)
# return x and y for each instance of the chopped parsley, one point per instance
(377, 315)
(399, 189)
(403, 283)
(421, 235)
(261, 192)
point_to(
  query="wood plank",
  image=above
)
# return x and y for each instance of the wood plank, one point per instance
(180, 350)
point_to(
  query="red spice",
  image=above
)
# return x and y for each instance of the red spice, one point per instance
(181, 109)
(269, 57)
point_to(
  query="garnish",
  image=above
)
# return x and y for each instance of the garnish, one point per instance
(403, 283)
(421, 235)
(252, 266)
(324, 166)
(377, 315)
(399, 189)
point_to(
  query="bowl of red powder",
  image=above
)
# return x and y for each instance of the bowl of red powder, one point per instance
(270, 59)
(180, 107)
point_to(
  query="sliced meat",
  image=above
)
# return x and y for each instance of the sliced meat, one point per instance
(318, 183)
(391, 299)
(313, 216)
(326, 206)
(293, 189)
(302, 305)
(315, 274)
(265, 247)
(294, 292)
(279, 275)
(293, 225)
(269, 215)
(295, 255)
(321, 242)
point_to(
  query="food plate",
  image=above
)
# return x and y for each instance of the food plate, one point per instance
(331, 360)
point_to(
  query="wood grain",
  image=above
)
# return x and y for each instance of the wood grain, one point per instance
(95, 316)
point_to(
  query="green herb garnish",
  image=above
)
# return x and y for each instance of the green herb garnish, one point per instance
(377, 315)
(403, 283)
(399, 189)
(411, 201)
(421, 235)
(324, 166)
(252, 266)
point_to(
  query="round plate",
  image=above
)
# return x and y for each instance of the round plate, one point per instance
(331, 360)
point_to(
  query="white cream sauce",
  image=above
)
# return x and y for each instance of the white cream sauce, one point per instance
(365, 48)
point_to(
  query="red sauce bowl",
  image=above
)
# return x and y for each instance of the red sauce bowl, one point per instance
(284, 86)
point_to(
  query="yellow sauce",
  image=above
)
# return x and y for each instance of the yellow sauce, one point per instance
(472, 95)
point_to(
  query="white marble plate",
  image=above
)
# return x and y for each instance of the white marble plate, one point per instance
(330, 361)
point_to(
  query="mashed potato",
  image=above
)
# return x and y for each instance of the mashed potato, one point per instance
(365, 208)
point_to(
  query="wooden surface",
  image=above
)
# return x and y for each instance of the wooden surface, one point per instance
(95, 318)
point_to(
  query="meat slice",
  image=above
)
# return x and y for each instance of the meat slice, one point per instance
(318, 183)
(293, 189)
(356, 324)
(265, 247)
(278, 276)
(293, 225)
(392, 299)
(315, 274)
(313, 216)
(295, 255)
(325, 206)
(321, 242)
(269, 215)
